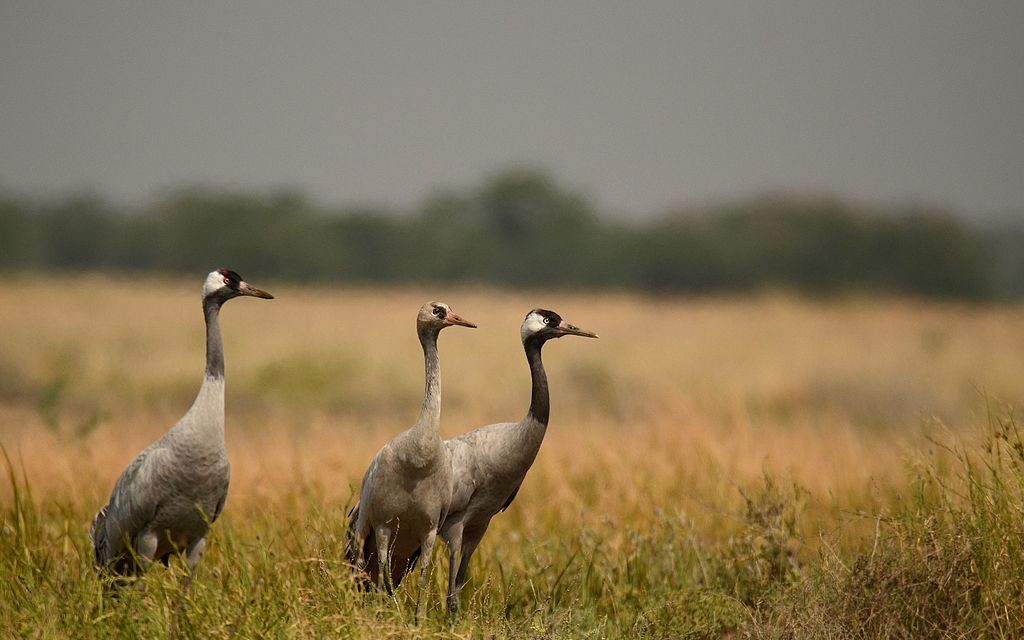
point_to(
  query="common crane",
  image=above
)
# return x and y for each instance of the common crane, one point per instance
(166, 499)
(408, 486)
(489, 463)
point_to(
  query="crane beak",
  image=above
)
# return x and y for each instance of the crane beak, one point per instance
(246, 290)
(454, 318)
(566, 329)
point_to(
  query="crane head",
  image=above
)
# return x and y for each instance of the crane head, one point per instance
(438, 315)
(224, 284)
(544, 325)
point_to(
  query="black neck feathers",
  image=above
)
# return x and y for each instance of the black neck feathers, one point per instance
(539, 401)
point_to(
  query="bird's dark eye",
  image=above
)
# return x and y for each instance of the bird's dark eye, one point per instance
(547, 320)
(227, 280)
(439, 312)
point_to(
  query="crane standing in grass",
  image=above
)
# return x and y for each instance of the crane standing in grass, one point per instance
(408, 486)
(490, 463)
(166, 499)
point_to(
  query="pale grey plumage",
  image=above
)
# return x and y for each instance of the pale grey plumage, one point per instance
(167, 497)
(407, 487)
(490, 463)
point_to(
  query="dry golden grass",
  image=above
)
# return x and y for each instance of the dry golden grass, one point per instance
(829, 392)
(678, 407)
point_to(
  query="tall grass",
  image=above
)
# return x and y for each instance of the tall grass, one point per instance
(716, 468)
(947, 561)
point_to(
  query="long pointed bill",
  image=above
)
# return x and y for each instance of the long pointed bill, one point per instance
(572, 330)
(246, 290)
(453, 318)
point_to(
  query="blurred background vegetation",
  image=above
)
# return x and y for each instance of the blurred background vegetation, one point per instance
(521, 228)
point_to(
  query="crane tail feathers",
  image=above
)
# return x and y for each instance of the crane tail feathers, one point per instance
(353, 546)
(107, 558)
(98, 534)
(510, 499)
(360, 552)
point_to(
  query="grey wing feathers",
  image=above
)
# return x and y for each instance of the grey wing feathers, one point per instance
(474, 455)
(360, 548)
(463, 484)
(132, 506)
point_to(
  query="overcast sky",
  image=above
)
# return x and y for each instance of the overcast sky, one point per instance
(641, 105)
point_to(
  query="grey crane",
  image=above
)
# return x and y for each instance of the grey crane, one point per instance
(489, 463)
(408, 485)
(166, 499)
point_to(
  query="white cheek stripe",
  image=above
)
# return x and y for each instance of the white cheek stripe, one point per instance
(213, 282)
(533, 323)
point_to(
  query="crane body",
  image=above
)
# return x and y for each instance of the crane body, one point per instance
(490, 463)
(164, 502)
(407, 488)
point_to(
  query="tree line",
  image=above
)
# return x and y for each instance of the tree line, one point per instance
(521, 228)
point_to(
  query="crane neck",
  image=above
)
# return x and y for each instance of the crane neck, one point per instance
(214, 344)
(430, 413)
(202, 426)
(539, 400)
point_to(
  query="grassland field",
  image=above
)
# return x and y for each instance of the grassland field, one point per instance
(764, 466)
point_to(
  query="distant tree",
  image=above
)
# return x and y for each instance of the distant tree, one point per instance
(21, 241)
(521, 228)
(529, 231)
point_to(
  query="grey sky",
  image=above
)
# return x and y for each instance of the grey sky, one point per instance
(641, 105)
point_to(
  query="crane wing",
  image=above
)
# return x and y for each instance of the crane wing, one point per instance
(463, 476)
(133, 504)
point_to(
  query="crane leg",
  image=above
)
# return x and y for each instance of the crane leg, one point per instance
(383, 535)
(145, 547)
(468, 547)
(453, 538)
(192, 556)
(195, 552)
(426, 553)
(145, 550)
(357, 554)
